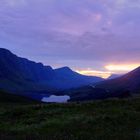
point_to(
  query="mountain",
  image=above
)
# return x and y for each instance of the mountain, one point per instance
(113, 76)
(129, 81)
(22, 75)
(66, 78)
(121, 87)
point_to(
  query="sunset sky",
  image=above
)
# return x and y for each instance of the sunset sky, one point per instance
(94, 37)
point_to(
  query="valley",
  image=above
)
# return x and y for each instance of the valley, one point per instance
(35, 81)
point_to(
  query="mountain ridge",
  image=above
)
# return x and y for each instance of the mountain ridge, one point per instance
(129, 81)
(25, 75)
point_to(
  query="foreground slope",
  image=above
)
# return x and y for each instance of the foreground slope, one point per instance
(13, 98)
(102, 120)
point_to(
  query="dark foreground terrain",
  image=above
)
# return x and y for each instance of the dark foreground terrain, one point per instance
(100, 120)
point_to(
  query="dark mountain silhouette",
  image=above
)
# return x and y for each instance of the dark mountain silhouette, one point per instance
(114, 76)
(19, 74)
(87, 93)
(23, 75)
(129, 81)
(121, 87)
(65, 78)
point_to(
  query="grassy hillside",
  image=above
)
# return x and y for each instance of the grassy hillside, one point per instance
(100, 120)
(11, 98)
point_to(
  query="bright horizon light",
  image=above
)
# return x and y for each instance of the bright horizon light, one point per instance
(122, 67)
(111, 69)
(102, 74)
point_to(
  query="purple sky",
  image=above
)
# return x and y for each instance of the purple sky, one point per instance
(82, 34)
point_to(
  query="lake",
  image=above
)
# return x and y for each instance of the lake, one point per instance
(56, 99)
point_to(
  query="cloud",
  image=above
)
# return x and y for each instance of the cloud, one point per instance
(13, 3)
(85, 33)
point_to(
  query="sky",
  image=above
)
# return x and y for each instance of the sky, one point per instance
(93, 37)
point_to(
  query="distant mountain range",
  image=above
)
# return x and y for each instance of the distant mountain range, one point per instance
(113, 76)
(22, 75)
(129, 81)
(123, 86)
(29, 79)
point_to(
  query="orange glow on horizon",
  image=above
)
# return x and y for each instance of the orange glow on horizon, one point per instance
(95, 73)
(122, 67)
(111, 69)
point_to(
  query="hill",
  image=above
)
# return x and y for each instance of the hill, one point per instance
(121, 87)
(114, 76)
(20, 74)
(65, 78)
(13, 98)
(129, 81)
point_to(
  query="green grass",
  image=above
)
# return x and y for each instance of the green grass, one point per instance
(100, 120)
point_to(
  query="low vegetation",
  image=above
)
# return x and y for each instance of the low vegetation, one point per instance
(6, 97)
(100, 120)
